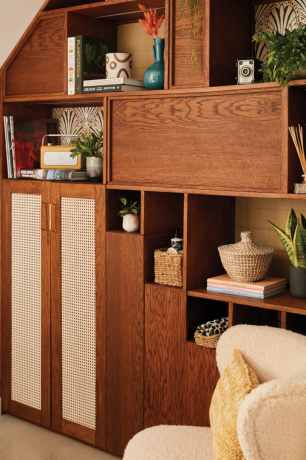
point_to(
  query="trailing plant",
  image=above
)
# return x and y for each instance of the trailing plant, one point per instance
(287, 54)
(88, 146)
(152, 22)
(294, 239)
(133, 208)
(193, 7)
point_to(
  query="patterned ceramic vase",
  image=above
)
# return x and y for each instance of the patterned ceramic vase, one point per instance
(154, 76)
(119, 65)
(94, 168)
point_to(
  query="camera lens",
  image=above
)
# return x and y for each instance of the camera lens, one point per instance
(240, 62)
(245, 71)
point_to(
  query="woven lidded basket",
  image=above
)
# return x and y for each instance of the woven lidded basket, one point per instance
(246, 261)
(168, 268)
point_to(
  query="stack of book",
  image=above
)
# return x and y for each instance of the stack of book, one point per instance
(113, 84)
(261, 289)
(53, 174)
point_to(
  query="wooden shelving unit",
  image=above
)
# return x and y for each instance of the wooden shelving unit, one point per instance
(184, 153)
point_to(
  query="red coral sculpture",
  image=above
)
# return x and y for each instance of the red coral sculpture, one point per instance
(152, 22)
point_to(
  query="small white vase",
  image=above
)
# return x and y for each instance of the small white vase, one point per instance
(131, 222)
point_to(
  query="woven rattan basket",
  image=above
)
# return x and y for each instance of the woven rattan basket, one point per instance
(246, 261)
(168, 268)
(208, 342)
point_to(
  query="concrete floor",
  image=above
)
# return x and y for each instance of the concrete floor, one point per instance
(21, 440)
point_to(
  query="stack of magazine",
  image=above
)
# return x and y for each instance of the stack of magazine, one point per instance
(112, 84)
(261, 289)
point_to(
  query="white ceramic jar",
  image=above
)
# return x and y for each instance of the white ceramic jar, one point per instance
(131, 222)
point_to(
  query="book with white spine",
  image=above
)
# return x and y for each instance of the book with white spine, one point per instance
(71, 66)
(113, 81)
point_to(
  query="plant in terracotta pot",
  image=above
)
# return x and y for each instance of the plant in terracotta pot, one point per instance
(287, 57)
(90, 147)
(130, 214)
(294, 241)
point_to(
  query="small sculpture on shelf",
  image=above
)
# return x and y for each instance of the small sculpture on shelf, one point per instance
(294, 241)
(90, 147)
(130, 214)
(154, 76)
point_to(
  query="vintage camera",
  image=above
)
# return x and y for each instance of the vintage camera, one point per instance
(246, 71)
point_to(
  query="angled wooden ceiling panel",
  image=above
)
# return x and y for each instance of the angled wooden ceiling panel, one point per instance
(38, 66)
(57, 4)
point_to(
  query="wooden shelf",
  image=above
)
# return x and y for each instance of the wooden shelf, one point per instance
(95, 98)
(120, 230)
(281, 302)
(152, 283)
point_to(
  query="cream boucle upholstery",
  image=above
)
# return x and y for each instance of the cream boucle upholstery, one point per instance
(271, 421)
(170, 442)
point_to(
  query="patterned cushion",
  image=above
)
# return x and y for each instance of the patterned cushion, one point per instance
(218, 326)
(237, 380)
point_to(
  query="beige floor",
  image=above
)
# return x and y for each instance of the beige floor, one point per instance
(20, 440)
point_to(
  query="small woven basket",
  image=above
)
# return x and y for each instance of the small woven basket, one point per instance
(168, 268)
(208, 342)
(246, 261)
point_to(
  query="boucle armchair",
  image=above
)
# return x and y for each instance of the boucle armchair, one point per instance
(271, 422)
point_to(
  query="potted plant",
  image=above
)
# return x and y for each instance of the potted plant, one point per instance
(90, 147)
(130, 214)
(287, 57)
(294, 241)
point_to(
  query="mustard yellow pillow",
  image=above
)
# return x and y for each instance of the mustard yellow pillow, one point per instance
(237, 380)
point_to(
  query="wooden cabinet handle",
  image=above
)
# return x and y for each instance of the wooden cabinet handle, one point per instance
(50, 215)
(43, 229)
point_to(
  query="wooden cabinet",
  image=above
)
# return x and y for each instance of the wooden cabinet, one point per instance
(26, 302)
(55, 281)
(76, 223)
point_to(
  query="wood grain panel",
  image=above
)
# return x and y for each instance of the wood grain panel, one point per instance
(42, 55)
(181, 68)
(163, 212)
(125, 336)
(77, 24)
(231, 142)
(39, 416)
(210, 223)
(180, 377)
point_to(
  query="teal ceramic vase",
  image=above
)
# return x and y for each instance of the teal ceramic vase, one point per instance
(154, 76)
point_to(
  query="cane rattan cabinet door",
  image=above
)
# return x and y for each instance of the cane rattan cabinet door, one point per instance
(26, 302)
(78, 324)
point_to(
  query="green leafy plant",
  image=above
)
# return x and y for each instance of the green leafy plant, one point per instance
(193, 7)
(88, 146)
(133, 208)
(91, 53)
(294, 239)
(287, 54)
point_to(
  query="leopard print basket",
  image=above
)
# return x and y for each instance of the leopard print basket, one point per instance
(208, 334)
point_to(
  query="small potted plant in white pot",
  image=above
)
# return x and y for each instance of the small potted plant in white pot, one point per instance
(90, 147)
(130, 214)
(294, 241)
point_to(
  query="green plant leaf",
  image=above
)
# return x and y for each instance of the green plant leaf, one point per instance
(299, 246)
(123, 201)
(291, 224)
(90, 52)
(134, 211)
(286, 242)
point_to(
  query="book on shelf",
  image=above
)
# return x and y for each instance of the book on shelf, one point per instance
(260, 295)
(71, 65)
(90, 59)
(53, 174)
(26, 138)
(235, 289)
(113, 81)
(8, 147)
(262, 285)
(111, 88)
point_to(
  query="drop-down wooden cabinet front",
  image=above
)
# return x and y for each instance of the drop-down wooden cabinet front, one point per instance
(53, 305)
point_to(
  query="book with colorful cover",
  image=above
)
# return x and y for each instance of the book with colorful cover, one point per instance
(53, 174)
(260, 295)
(26, 135)
(235, 289)
(261, 285)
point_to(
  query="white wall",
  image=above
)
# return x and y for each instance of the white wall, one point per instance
(15, 17)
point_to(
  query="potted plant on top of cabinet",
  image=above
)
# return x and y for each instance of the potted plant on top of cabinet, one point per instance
(130, 214)
(90, 147)
(294, 241)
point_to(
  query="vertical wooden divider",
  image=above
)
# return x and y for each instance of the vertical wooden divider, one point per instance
(105, 140)
(167, 43)
(108, 140)
(142, 212)
(283, 320)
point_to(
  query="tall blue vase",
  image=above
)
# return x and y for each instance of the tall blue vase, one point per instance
(154, 76)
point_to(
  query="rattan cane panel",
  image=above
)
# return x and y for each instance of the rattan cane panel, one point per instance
(26, 300)
(78, 311)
